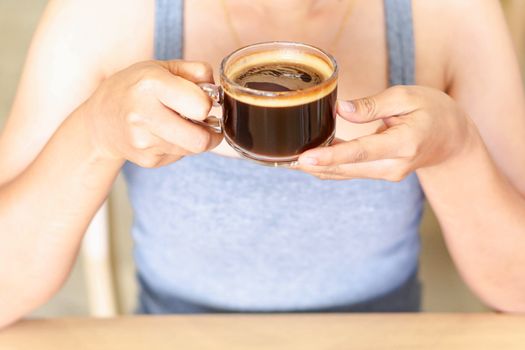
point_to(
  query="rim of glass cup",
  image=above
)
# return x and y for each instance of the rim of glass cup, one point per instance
(249, 91)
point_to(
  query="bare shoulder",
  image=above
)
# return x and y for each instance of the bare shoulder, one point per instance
(76, 45)
(449, 32)
(112, 32)
(454, 12)
(481, 73)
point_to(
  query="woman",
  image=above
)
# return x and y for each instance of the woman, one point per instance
(216, 233)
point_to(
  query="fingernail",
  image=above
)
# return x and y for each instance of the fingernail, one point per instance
(347, 106)
(308, 161)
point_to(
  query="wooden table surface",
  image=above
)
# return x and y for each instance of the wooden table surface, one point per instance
(333, 331)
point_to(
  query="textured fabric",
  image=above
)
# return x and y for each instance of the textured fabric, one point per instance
(405, 298)
(168, 28)
(400, 38)
(220, 234)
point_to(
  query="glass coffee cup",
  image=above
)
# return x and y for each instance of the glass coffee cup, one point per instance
(278, 100)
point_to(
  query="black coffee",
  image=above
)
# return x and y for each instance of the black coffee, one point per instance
(302, 122)
(279, 77)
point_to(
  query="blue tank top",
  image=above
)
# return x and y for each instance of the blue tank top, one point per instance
(217, 233)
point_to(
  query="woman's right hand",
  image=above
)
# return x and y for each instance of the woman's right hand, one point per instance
(136, 114)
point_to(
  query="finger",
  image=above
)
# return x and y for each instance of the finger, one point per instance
(385, 169)
(160, 154)
(318, 172)
(144, 141)
(381, 128)
(168, 159)
(363, 149)
(197, 72)
(145, 159)
(184, 97)
(329, 176)
(176, 130)
(171, 150)
(394, 101)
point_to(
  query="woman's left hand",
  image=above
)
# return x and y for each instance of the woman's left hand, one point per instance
(422, 127)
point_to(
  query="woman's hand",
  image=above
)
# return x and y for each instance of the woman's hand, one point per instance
(422, 127)
(136, 114)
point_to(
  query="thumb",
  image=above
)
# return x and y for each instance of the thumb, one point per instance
(393, 102)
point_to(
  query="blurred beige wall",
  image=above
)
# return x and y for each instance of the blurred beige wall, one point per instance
(515, 12)
(17, 21)
(443, 289)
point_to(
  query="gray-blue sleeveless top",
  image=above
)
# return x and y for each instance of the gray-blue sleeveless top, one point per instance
(214, 233)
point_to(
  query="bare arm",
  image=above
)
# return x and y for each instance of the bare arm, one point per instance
(471, 165)
(479, 197)
(72, 126)
(41, 216)
(44, 212)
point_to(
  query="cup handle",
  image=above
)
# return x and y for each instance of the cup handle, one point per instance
(216, 94)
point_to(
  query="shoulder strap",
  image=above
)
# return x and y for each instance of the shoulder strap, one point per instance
(169, 27)
(400, 38)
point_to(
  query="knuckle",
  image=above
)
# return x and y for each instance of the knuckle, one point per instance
(328, 172)
(202, 70)
(359, 155)
(148, 162)
(159, 163)
(408, 95)
(368, 106)
(139, 139)
(141, 143)
(409, 150)
(322, 176)
(146, 84)
(202, 142)
(397, 176)
(134, 118)
(392, 178)
(403, 91)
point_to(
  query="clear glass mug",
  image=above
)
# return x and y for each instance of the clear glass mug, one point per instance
(275, 127)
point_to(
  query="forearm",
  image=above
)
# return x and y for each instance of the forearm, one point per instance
(483, 220)
(44, 213)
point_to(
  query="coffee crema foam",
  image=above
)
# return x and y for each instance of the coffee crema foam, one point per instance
(304, 76)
